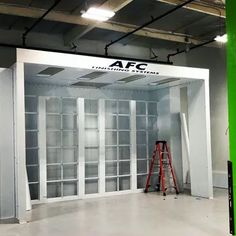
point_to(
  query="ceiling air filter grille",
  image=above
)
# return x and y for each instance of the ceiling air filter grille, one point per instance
(131, 78)
(50, 71)
(93, 75)
(164, 81)
(90, 85)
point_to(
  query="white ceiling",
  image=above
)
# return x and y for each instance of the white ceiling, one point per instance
(69, 76)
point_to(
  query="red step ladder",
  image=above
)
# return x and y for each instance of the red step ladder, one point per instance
(161, 157)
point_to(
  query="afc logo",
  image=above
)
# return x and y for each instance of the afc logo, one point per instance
(128, 65)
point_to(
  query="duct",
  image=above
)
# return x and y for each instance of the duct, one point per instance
(146, 24)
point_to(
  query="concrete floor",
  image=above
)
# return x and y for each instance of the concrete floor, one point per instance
(128, 215)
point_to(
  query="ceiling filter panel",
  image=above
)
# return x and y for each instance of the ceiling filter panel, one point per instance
(92, 75)
(90, 85)
(50, 71)
(164, 81)
(130, 78)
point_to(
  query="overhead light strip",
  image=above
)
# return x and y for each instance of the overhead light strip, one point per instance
(50, 71)
(90, 84)
(165, 81)
(221, 38)
(92, 75)
(130, 79)
(98, 14)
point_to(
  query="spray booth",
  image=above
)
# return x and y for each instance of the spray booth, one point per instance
(86, 126)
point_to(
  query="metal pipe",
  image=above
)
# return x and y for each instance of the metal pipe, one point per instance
(38, 21)
(146, 24)
(82, 54)
(191, 48)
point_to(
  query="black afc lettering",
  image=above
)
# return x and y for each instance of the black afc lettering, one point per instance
(138, 66)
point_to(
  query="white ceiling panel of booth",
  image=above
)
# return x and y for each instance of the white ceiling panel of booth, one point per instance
(66, 76)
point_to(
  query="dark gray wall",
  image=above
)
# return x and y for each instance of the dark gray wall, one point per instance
(7, 57)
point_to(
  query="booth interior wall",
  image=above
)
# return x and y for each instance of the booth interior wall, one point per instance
(169, 108)
(62, 144)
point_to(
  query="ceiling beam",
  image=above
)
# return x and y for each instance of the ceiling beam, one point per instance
(149, 32)
(114, 26)
(115, 5)
(202, 7)
(76, 32)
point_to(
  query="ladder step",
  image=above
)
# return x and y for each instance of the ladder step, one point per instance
(164, 164)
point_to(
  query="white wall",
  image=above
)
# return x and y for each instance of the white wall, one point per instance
(7, 182)
(62, 91)
(199, 139)
(168, 110)
(169, 126)
(215, 60)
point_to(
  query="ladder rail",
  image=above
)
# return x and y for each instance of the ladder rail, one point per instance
(171, 168)
(162, 150)
(151, 169)
(162, 173)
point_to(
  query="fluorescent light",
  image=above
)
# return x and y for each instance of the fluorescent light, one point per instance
(98, 14)
(92, 75)
(50, 71)
(153, 84)
(89, 84)
(131, 78)
(43, 75)
(163, 81)
(221, 38)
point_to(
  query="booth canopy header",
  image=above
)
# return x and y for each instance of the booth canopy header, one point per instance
(109, 64)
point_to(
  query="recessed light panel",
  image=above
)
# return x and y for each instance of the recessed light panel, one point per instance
(164, 81)
(50, 71)
(98, 14)
(93, 75)
(90, 85)
(130, 79)
(221, 38)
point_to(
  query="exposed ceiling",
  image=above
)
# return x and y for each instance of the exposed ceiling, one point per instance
(198, 22)
(84, 78)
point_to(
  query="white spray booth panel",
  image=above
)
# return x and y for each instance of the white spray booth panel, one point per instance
(96, 142)
(7, 182)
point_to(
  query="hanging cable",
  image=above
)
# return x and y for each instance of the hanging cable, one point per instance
(154, 19)
(190, 49)
(38, 21)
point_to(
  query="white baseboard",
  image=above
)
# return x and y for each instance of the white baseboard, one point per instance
(220, 179)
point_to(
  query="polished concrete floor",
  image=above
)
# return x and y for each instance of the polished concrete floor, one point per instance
(128, 215)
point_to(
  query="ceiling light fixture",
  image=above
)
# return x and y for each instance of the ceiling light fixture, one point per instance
(50, 71)
(221, 38)
(92, 75)
(130, 79)
(164, 81)
(90, 84)
(153, 84)
(98, 14)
